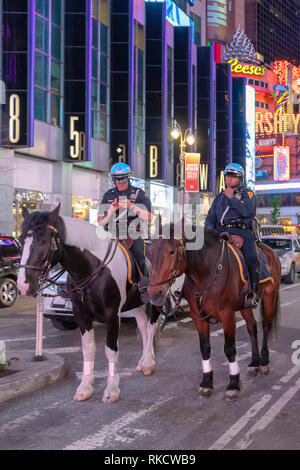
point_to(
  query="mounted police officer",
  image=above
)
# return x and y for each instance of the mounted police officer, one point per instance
(233, 211)
(129, 201)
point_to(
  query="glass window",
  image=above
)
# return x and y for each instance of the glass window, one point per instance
(40, 104)
(41, 34)
(56, 77)
(56, 11)
(56, 41)
(56, 108)
(41, 70)
(42, 7)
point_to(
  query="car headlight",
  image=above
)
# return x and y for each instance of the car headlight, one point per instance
(284, 259)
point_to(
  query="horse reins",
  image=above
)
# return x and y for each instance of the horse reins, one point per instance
(199, 295)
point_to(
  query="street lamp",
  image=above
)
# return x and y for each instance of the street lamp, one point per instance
(187, 138)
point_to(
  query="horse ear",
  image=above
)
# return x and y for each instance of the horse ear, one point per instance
(53, 216)
(25, 212)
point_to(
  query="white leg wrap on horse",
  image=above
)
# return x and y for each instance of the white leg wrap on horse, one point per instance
(234, 368)
(88, 367)
(88, 345)
(112, 369)
(112, 389)
(206, 366)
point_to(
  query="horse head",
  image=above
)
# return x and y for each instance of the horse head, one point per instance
(168, 261)
(41, 237)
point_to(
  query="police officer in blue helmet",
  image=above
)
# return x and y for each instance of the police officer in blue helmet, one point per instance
(233, 211)
(125, 198)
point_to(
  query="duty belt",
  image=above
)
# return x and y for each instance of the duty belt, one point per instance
(240, 226)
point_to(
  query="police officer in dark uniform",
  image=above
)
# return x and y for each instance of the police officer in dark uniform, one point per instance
(233, 211)
(126, 199)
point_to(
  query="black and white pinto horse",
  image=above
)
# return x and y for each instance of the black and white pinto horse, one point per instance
(79, 247)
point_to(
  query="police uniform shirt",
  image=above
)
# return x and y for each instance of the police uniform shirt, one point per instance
(135, 195)
(241, 210)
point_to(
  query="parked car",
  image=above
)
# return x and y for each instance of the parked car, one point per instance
(60, 310)
(10, 256)
(287, 247)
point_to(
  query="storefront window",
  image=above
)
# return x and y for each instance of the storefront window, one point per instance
(31, 200)
(85, 209)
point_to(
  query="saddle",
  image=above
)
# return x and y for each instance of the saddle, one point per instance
(235, 243)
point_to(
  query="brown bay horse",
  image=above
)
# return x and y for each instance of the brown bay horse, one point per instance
(214, 290)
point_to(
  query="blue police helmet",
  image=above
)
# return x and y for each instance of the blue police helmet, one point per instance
(120, 171)
(235, 169)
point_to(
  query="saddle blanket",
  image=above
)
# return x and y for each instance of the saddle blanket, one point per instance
(265, 272)
(132, 272)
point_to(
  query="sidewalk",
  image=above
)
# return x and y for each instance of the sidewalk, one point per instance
(26, 375)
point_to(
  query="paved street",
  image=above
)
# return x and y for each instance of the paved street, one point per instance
(161, 412)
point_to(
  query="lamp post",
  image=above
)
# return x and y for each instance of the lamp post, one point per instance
(186, 138)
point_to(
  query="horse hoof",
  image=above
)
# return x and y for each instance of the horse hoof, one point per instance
(205, 392)
(232, 395)
(110, 399)
(82, 396)
(263, 370)
(252, 371)
(147, 371)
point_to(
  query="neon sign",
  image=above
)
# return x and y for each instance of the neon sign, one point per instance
(281, 164)
(246, 69)
(270, 124)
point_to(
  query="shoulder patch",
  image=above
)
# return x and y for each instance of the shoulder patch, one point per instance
(250, 194)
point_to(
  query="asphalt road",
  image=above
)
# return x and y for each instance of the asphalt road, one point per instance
(164, 411)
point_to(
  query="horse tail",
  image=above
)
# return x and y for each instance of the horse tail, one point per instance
(275, 315)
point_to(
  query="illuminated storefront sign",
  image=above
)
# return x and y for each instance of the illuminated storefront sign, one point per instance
(246, 69)
(250, 136)
(281, 163)
(192, 161)
(269, 123)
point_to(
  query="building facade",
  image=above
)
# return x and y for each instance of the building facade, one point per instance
(273, 27)
(89, 83)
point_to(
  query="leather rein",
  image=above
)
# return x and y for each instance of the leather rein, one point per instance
(79, 286)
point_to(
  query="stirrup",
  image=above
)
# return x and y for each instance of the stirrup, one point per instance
(251, 300)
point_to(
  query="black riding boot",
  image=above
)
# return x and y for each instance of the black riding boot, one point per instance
(138, 249)
(252, 298)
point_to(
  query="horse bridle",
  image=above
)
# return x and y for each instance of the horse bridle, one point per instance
(46, 266)
(181, 254)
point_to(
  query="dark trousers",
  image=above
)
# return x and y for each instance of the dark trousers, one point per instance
(250, 255)
(138, 250)
(249, 252)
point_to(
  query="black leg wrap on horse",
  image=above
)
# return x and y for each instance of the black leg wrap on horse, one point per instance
(207, 380)
(235, 383)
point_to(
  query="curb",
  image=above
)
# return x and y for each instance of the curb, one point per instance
(29, 375)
